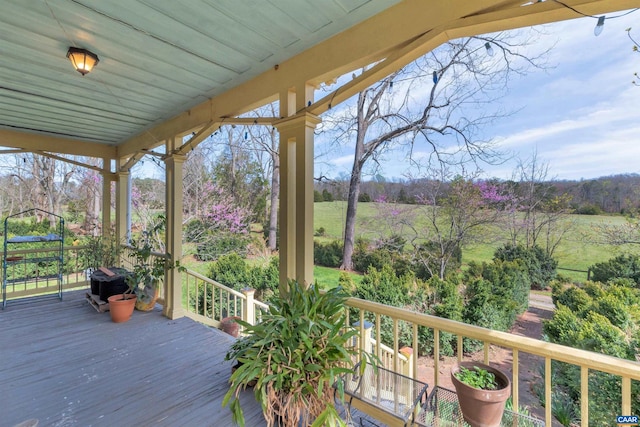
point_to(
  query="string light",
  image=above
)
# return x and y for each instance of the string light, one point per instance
(489, 49)
(435, 77)
(599, 26)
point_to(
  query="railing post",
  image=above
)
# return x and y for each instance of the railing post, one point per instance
(248, 309)
(365, 339)
(407, 368)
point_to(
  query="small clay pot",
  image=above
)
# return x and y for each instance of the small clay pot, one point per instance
(230, 326)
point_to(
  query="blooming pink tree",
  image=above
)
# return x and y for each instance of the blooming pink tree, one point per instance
(458, 212)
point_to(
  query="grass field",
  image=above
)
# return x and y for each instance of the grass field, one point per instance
(574, 253)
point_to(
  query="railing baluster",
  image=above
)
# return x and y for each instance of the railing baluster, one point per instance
(547, 391)
(460, 348)
(584, 396)
(395, 345)
(414, 358)
(378, 337)
(626, 396)
(485, 349)
(515, 394)
(436, 356)
(361, 342)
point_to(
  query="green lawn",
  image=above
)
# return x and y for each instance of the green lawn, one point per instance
(574, 253)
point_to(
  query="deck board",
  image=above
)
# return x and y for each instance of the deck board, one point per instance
(65, 364)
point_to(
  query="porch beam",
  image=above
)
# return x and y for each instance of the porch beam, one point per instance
(108, 175)
(33, 142)
(196, 139)
(242, 121)
(131, 161)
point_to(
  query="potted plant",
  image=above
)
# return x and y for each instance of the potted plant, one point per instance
(101, 251)
(121, 306)
(147, 270)
(482, 393)
(295, 355)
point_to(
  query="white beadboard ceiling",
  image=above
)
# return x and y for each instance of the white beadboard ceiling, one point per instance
(157, 57)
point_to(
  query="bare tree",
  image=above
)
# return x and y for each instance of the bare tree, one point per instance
(266, 140)
(439, 102)
(539, 216)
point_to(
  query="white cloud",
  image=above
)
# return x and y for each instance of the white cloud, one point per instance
(342, 161)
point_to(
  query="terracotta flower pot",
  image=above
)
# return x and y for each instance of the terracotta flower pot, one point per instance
(121, 307)
(482, 408)
(230, 326)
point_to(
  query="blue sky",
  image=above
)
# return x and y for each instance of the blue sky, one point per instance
(579, 115)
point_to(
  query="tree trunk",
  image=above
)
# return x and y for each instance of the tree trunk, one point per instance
(350, 221)
(275, 195)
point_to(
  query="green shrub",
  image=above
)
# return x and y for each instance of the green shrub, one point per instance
(627, 266)
(220, 244)
(327, 254)
(446, 302)
(385, 287)
(574, 298)
(598, 317)
(495, 295)
(589, 210)
(232, 271)
(364, 198)
(326, 196)
(540, 266)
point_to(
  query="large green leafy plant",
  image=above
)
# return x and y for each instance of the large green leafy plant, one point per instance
(296, 354)
(147, 269)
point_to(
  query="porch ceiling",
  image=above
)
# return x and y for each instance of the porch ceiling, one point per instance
(168, 67)
(157, 58)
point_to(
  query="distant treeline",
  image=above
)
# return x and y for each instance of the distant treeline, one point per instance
(616, 194)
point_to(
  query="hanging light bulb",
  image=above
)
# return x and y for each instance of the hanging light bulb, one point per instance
(489, 48)
(435, 77)
(599, 26)
(246, 135)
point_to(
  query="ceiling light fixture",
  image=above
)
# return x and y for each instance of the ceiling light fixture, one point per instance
(82, 59)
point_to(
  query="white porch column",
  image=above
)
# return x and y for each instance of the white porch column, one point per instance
(106, 197)
(174, 202)
(122, 206)
(296, 198)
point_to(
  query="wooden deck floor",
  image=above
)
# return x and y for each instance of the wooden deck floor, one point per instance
(65, 364)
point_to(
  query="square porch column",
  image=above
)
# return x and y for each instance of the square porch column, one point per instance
(296, 198)
(174, 203)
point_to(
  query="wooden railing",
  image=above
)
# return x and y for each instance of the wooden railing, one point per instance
(208, 301)
(586, 361)
(74, 275)
(400, 361)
